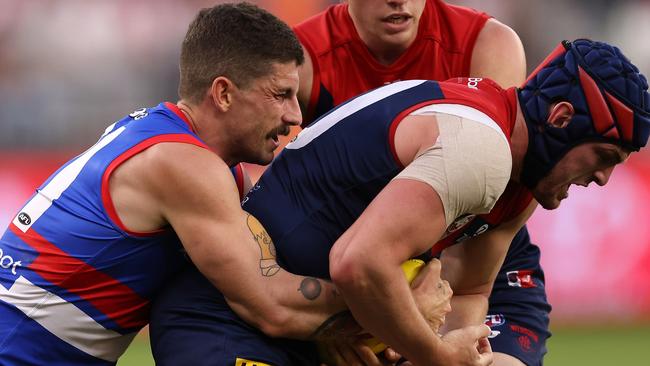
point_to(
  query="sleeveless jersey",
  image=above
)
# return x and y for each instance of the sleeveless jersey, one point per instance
(343, 66)
(75, 284)
(324, 179)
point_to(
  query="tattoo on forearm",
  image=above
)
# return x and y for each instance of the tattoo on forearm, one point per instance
(336, 327)
(310, 288)
(268, 265)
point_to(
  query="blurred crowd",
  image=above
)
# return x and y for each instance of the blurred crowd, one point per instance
(68, 68)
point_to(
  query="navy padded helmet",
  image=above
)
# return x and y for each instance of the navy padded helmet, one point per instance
(609, 96)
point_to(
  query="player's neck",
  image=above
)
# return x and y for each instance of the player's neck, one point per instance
(206, 128)
(518, 144)
(385, 54)
(384, 51)
(189, 113)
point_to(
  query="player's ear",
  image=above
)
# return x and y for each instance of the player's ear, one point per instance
(221, 92)
(561, 114)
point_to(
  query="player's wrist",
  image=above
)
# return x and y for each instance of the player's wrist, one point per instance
(443, 352)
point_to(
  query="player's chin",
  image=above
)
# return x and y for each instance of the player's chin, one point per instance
(260, 157)
(265, 159)
(548, 200)
(398, 39)
(550, 203)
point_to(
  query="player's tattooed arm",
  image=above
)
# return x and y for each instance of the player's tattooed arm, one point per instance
(310, 288)
(268, 264)
(335, 327)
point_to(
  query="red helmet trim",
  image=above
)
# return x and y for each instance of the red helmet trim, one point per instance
(598, 109)
(624, 117)
(559, 50)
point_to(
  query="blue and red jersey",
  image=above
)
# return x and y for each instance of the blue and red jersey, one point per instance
(75, 284)
(343, 67)
(324, 179)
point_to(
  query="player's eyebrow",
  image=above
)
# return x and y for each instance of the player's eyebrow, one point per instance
(281, 89)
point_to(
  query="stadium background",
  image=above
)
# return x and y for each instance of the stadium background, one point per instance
(68, 68)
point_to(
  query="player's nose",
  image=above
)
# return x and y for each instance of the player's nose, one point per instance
(602, 176)
(292, 115)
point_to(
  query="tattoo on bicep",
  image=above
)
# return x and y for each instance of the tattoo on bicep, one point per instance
(268, 265)
(310, 288)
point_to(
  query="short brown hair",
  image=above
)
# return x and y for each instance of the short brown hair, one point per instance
(239, 41)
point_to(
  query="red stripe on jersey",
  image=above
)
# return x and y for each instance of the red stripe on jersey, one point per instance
(106, 194)
(119, 302)
(624, 117)
(177, 111)
(600, 114)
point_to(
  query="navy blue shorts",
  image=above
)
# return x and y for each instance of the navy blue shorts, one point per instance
(518, 307)
(191, 324)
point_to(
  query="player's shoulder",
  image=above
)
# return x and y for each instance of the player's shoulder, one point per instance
(473, 87)
(185, 157)
(453, 28)
(497, 35)
(163, 118)
(482, 94)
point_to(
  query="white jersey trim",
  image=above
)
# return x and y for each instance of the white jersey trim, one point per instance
(44, 197)
(462, 111)
(310, 133)
(65, 320)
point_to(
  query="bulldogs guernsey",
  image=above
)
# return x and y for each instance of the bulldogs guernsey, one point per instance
(343, 66)
(74, 281)
(324, 179)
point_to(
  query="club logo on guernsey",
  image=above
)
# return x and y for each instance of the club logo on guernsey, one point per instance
(477, 227)
(472, 83)
(460, 222)
(521, 278)
(140, 113)
(24, 218)
(495, 320)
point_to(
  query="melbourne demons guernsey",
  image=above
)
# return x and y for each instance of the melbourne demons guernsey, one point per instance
(324, 179)
(343, 66)
(75, 284)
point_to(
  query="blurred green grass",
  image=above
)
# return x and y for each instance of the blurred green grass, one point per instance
(594, 345)
(600, 345)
